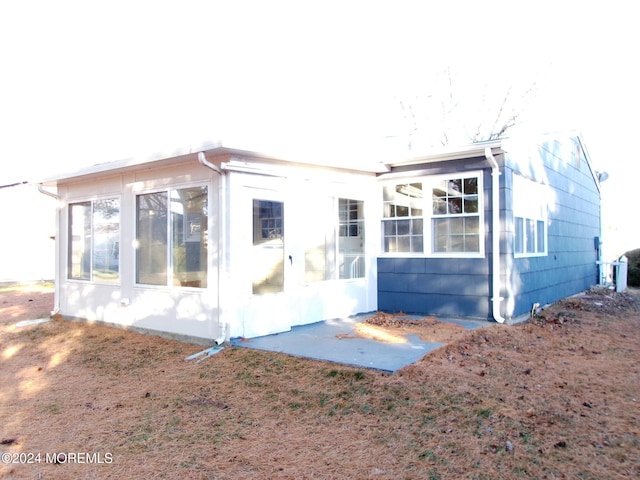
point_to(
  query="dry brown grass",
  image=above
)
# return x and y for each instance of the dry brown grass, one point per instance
(556, 397)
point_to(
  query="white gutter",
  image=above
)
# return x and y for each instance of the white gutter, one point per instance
(56, 290)
(495, 235)
(202, 160)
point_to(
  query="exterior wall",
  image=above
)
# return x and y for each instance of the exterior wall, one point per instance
(227, 306)
(433, 285)
(462, 286)
(573, 224)
(188, 313)
(301, 189)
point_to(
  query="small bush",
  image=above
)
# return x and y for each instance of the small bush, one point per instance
(633, 257)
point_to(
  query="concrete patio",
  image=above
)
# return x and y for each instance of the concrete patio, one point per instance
(334, 341)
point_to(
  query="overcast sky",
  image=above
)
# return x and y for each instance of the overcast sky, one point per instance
(84, 82)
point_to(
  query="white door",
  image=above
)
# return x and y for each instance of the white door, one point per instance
(269, 274)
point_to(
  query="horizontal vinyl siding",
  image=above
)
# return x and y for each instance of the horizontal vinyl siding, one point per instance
(447, 286)
(573, 222)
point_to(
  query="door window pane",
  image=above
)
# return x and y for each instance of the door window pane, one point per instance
(268, 247)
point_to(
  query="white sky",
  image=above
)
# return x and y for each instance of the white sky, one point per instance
(84, 82)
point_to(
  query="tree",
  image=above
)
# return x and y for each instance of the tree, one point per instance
(462, 109)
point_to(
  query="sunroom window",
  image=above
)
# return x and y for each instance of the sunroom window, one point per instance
(446, 211)
(456, 215)
(403, 222)
(334, 240)
(171, 234)
(94, 240)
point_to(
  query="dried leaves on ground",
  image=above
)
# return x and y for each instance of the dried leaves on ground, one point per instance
(555, 397)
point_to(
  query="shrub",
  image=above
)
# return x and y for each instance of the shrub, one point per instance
(633, 257)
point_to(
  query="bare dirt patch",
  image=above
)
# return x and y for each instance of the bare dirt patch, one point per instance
(555, 397)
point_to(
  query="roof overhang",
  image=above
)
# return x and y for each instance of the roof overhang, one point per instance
(182, 156)
(448, 154)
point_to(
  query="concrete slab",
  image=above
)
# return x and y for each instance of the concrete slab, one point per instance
(326, 341)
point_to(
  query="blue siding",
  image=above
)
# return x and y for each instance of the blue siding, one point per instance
(573, 223)
(462, 286)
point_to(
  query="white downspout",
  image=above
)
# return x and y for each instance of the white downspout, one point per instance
(495, 234)
(56, 290)
(202, 159)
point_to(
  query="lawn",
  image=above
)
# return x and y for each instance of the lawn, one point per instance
(555, 397)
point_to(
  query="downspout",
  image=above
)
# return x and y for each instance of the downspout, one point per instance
(56, 290)
(495, 235)
(202, 160)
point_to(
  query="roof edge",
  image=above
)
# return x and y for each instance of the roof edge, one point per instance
(449, 153)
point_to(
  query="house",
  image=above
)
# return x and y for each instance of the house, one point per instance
(215, 243)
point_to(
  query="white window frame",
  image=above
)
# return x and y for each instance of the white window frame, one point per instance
(92, 201)
(428, 182)
(530, 206)
(170, 273)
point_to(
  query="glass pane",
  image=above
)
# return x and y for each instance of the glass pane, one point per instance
(455, 187)
(404, 227)
(390, 244)
(106, 240)
(440, 244)
(454, 205)
(472, 243)
(440, 189)
(351, 246)
(541, 239)
(80, 241)
(530, 235)
(471, 205)
(471, 186)
(417, 244)
(439, 206)
(268, 247)
(189, 236)
(402, 211)
(456, 243)
(388, 193)
(389, 210)
(389, 227)
(440, 234)
(456, 226)
(152, 238)
(519, 240)
(416, 226)
(441, 226)
(471, 225)
(415, 190)
(404, 244)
